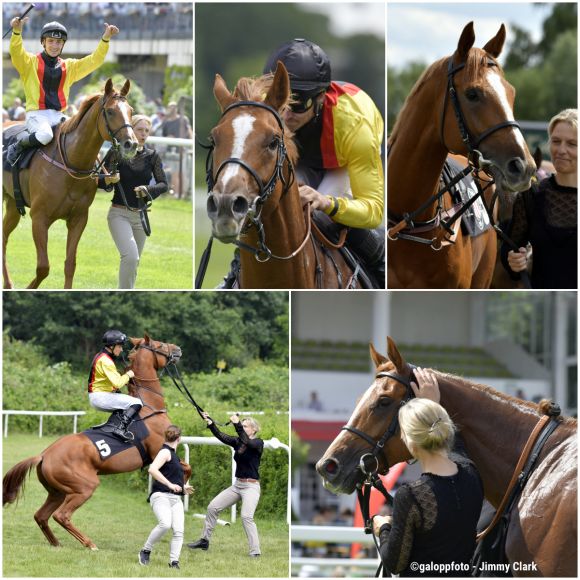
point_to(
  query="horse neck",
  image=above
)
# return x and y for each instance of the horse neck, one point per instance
(285, 230)
(417, 155)
(152, 392)
(84, 143)
(495, 429)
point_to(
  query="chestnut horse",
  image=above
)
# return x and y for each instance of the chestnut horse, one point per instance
(495, 428)
(254, 200)
(461, 104)
(60, 182)
(70, 467)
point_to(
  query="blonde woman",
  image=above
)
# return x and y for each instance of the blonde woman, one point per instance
(546, 215)
(434, 518)
(248, 453)
(168, 488)
(139, 179)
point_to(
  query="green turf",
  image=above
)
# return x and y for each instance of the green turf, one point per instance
(166, 263)
(119, 520)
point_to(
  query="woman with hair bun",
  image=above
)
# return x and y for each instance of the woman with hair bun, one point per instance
(434, 518)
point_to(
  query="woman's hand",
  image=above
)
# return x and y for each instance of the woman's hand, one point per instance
(518, 261)
(206, 418)
(174, 487)
(141, 191)
(310, 195)
(379, 522)
(188, 490)
(17, 23)
(114, 178)
(234, 419)
(110, 30)
(427, 387)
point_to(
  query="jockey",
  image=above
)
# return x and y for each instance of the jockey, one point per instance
(105, 383)
(339, 132)
(47, 79)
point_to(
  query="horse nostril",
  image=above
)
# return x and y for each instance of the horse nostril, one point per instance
(240, 205)
(211, 205)
(331, 467)
(516, 166)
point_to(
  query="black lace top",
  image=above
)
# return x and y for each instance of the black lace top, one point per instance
(140, 170)
(546, 215)
(434, 520)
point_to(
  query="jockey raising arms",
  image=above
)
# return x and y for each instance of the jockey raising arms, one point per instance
(47, 79)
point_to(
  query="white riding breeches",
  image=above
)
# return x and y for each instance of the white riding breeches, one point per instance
(112, 401)
(41, 122)
(335, 182)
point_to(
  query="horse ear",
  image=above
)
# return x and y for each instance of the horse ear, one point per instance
(134, 341)
(466, 41)
(108, 87)
(279, 92)
(378, 358)
(126, 88)
(495, 45)
(394, 355)
(221, 93)
(146, 338)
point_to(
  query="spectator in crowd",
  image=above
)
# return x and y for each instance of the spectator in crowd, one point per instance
(176, 124)
(16, 104)
(315, 403)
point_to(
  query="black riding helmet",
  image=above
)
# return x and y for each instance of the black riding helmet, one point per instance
(114, 337)
(307, 64)
(54, 30)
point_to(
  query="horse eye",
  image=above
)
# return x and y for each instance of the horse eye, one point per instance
(273, 145)
(383, 402)
(471, 95)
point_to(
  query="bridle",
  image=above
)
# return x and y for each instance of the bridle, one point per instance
(371, 472)
(379, 444)
(405, 227)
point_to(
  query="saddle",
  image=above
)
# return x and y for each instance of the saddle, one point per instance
(108, 444)
(475, 220)
(9, 136)
(331, 235)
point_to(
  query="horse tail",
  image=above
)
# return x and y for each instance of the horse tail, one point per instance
(13, 482)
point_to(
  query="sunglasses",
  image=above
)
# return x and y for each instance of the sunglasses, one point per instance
(303, 104)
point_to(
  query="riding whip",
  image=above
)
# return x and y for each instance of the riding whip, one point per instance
(30, 7)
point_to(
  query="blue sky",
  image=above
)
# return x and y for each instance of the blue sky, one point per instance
(428, 31)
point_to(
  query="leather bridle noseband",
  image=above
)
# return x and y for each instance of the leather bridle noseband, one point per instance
(379, 444)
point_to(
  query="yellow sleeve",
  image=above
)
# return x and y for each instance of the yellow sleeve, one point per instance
(109, 370)
(360, 151)
(79, 68)
(24, 62)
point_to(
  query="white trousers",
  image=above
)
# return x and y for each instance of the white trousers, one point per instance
(335, 182)
(40, 123)
(112, 401)
(168, 508)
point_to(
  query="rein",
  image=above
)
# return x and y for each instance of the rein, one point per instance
(254, 216)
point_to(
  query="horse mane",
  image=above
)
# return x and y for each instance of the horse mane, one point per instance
(529, 407)
(71, 124)
(256, 89)
(476, 60)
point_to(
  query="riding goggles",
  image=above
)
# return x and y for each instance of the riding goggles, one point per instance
(303, 102)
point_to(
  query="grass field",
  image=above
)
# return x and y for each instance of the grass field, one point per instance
(166, 263)
(118, 521)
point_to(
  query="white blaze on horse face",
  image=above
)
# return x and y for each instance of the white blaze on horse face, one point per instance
(496, 83)
(242, 126)
(360, 406)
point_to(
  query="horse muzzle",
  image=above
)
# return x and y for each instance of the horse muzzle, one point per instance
(336, 477)
(128, 148)
(227, 213)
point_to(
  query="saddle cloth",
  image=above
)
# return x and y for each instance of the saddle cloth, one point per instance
(109, 445)
(475, 220)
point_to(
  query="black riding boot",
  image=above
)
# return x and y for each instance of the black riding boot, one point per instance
(369, 246)
(232, 276)
(128, 417)
(15, 150)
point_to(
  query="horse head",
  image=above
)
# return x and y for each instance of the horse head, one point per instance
(252, 152)
(114, 123)
(370, 442)
(152, 353)
(477, 118)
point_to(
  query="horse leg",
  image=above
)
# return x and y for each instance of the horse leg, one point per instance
(54, 499)
(40, 237)
(11, 220)
(76, 226)
(485, 268)
(72, 502)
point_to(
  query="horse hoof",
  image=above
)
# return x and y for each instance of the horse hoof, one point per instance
(93, 548)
